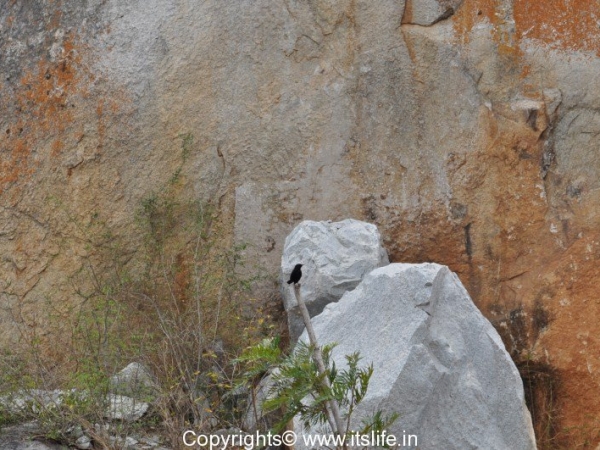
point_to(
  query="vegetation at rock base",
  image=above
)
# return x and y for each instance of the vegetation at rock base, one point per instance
(178, 305)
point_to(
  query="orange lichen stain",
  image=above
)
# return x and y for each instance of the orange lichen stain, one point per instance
(54, 23)
(572, 25)
(41, 103)
(562, 24)
(57, 146)
(10, 167)
(531, 91)
(407, 17)
(115, 106)
(497, 16)
(471, 13)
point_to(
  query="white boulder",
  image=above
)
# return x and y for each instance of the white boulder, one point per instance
(136, 381)
(335, 257)
(437, 361)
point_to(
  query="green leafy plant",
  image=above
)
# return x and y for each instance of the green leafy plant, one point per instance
(298, 389)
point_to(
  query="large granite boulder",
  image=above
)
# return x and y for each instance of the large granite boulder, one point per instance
(437, 361)
(335, 257)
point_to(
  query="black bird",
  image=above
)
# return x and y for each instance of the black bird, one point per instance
(296, 274)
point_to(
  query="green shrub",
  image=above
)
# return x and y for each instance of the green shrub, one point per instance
(298, 389)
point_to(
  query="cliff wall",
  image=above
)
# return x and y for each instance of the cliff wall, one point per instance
(467, 131)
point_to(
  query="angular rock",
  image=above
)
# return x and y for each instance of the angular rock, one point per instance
(437, 361)
(135, 380)
(335, 257)
(121, 407)
(83, 442)
(75, 431)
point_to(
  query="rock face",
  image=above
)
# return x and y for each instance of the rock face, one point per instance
(470, 140)
(437, 361)
(335, 257)
(428, 12)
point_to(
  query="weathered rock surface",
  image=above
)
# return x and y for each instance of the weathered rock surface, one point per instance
(21, 437)
(121, 407)
(335, 257)
(428, 12)
(32, 400)
(28, 436)
(320, 109)
(83, 442)
(437, 361)
(135, 381)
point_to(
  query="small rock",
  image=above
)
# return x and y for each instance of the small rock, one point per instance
(101, 427)
(130, 442)
(83, 443)
(75, 431)
(135, 381)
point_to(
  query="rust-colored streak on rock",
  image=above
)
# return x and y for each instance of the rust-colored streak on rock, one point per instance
(498, 15)
(563, 24)
(43, 104)
(54, 22)
(407, 17)
(573, 335)
(563, 289)
(471, 13)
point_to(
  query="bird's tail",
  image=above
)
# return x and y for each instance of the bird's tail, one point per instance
(290, 281)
